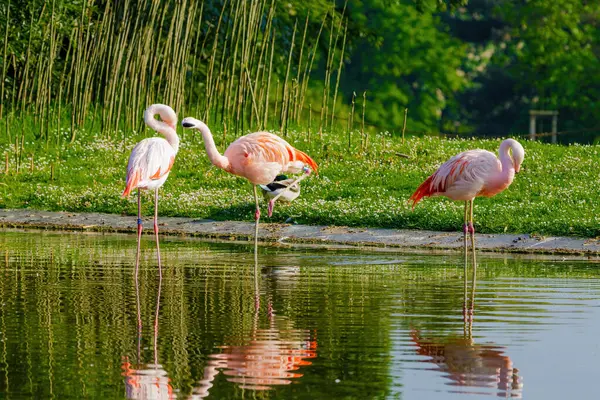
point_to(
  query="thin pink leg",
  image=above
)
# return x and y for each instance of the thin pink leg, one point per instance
(465, 230)
(472, 232)
(156, 232)
(139, 234)
(156, 319)
(139, 321)
(256, 219)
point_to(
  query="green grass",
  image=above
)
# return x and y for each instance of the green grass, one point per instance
(556, 194)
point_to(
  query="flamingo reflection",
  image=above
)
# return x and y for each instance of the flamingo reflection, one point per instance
(265, 357)
(147, 381)
(468, 364)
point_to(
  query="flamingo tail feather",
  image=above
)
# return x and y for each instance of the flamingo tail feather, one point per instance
(133, 178)
(424, 190)
(305, 158)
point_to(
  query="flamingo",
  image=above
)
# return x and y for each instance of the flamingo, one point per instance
(258, 157)
(150, 163)
(471, 174)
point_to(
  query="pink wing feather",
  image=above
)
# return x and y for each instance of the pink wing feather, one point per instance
(460, 178)
(261, 156)
(150, 160)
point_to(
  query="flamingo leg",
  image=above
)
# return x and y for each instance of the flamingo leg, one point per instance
(156, 231)
(465, 229)
(472, 309)
(272, 201)
(139, 320)
(256, 219)
(472, 232)
(156, 318)
(256, 288)
(139, 233)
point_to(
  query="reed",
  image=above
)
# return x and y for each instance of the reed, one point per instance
(339, 74)
(4, 59)
(95, 66)
(404, 124)
(363, 134)
(285, 92)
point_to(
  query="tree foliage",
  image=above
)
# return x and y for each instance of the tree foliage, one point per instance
(465, 66)
(402, 58)
(529, 55)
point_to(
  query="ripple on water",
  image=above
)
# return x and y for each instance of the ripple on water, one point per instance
(311, 324)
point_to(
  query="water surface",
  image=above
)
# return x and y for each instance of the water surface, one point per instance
(310, 325)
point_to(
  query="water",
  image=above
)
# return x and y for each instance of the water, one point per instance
(312, 325)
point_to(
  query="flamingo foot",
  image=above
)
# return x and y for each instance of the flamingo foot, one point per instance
(471, 228)
(257, 214)
(270, 208)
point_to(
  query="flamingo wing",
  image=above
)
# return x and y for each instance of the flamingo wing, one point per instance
(150, 160)
(261, 156)
(460, 178)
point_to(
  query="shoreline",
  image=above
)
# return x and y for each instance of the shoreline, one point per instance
(286, 234)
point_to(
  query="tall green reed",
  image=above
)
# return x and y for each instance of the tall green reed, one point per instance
(97, 65)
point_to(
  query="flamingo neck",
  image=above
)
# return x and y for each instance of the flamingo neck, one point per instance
(508, 166)
(211, 149)
(162, 127)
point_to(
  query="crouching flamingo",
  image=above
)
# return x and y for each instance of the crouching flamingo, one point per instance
(258, 157)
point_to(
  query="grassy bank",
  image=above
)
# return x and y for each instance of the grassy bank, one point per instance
(364, 183)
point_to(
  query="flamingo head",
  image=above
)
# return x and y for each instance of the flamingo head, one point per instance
(191, 123)
(518, 154)
(166, 113)
(513, 153)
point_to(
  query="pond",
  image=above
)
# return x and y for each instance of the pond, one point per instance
(311, 324)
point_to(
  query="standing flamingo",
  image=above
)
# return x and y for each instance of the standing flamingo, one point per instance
(150, 163)
(470, 174)
(258, 157)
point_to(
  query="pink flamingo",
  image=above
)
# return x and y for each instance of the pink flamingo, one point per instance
(150, 163)
(258, 157)
(471, 174)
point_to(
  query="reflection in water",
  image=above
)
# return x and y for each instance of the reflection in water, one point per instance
(147, 381)
(467, 363)
(271, 356)
(68, 314)
(265, 357)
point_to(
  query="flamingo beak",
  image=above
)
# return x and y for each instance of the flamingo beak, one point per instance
(187, 124)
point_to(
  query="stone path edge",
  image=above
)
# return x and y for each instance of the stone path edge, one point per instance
(367, 238)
